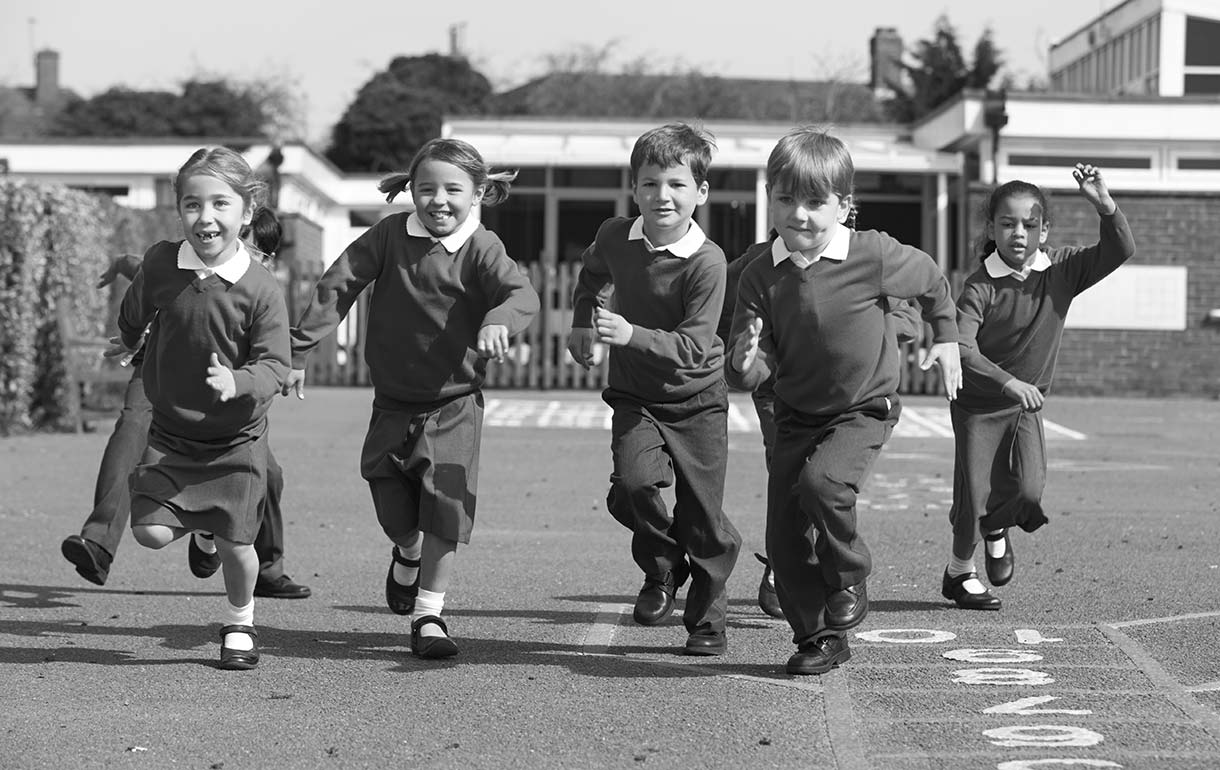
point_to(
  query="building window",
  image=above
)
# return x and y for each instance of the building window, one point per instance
(1067, 161)
(1202, 42)
(1199, 164)
(113, 191)
(732, 179)
(519, 221)
(589, 177)
(1201, 84)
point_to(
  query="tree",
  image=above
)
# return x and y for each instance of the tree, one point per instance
(940, 72)
(205, 108)
(402, 107)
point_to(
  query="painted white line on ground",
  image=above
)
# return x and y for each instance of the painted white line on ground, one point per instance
(841, 726)
(702, 670)
(1055, 427)
(1204, 687)
(917, 417)
(1169, 619)
(1163, 682)
(601, 633)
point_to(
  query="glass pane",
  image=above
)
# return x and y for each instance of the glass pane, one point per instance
(731, 226)
(578, 223)
(731, 179)
(519, 223)
(589, 177)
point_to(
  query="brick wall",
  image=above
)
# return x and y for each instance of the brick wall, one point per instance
(1169, 229)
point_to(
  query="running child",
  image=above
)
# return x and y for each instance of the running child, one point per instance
(901, 318)
(812, 314)
(1010, 318)
(666, 384)
(93, 550)
(214, 359)
(446, 298)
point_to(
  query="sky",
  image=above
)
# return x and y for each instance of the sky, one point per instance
(326, 55)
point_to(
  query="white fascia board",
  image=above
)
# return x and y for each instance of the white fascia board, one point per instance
(1140, 120)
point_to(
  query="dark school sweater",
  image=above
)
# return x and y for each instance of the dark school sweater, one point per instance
(425, 312)
(1012, 329)
(245, 324)
(824, 327)
(672, 303)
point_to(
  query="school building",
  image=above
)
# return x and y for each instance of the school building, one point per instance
(1151, 328)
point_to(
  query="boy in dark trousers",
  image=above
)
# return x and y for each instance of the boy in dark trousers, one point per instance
(666, 383)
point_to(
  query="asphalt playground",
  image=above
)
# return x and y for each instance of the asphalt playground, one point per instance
(1103, 656)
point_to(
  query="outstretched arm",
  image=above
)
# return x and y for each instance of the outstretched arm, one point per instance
(1115, 244)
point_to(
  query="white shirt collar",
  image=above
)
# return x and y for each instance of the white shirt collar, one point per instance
(232, 269)
(840, 244)
(998, 268)
(453, 241)
(682, 248)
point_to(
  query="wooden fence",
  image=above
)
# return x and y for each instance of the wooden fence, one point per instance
(538, 359)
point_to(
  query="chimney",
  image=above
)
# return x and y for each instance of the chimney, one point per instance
(457, 41)
(46, 77)
(885, 53)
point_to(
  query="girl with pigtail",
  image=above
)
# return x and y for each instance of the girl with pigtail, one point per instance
(446, 297)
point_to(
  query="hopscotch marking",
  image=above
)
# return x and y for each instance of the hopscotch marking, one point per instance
(592, 414)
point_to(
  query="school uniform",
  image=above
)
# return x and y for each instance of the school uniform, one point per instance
(670, 405)
(1011, 324)
(205, 466)
(430, 298)
(834, 361)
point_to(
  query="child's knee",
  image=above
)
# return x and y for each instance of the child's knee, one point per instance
(152, 535)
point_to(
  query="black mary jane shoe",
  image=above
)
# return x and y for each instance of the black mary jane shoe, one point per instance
(707, 642)
(999, 570)
(202, 564)
(768, 599)
(953, 589)
(238, 660)
(847, 607)
(399, 598)
(431, 646)
(819, 657)
(656, 599)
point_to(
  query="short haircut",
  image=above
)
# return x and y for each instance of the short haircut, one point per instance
(811, 164)
(674, 144)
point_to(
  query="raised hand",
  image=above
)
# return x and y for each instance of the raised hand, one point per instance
(745, 350)
(220, 379)
(948, 357)
(580, 346)
(294, 381)
(611, 327)
(1027, 395)
(1093, 187)
(492, 342)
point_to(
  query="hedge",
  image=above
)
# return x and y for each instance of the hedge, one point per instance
(54, 243)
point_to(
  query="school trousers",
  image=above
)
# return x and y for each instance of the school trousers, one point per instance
(112, 493)
(817, 470)
(999, 473)
(683, 444)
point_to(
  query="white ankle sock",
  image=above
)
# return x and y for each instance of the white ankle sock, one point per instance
(429, 603)
(205, 542)
(960, 566)
(995, 548)
(238, 616)
(405, 576)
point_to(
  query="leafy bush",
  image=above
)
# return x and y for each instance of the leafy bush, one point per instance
(54, 243)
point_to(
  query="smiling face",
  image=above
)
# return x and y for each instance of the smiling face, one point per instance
(806, 225)
(667, 198)
(444, 195)
(1018, 229)
(212, 215)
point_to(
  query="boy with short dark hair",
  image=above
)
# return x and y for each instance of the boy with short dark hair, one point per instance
(666, 383)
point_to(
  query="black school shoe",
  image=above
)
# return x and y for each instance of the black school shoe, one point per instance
(707, 642)
(819, 656)
(953, 588)
(238, 660)
(999, 571)
(768, 599)
(203, 565)
(282, 587)
(656, 598)
(399, 598)
(432, 647)
(846, 607)
(92, 562)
